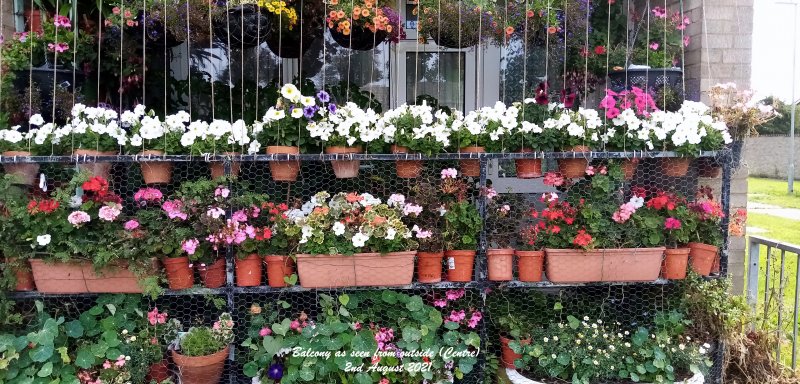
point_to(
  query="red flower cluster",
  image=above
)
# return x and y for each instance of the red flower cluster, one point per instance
(663, 200)
(97, 185)
(42, 206)
(263, 234)
(582, 239)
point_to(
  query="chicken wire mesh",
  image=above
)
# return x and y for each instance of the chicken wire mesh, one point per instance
(498, 299)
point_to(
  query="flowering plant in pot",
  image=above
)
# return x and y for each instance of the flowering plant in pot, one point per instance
(348, 223)
(707, 237)
(287, 37)
(525, 20)
(92, 131)
(363, 24)
(688, 131)
(151, 137)
(183, 21)
(289, 126)
(153, 340)
(531, 136)
(276, 239)
(585, 350)
(455, 24)
(502, 219)
(347, 129)
(530, 247)
(34, 142)
(241, 24)
(628, 129)
(483, 129)
(462, 226)
(217, 137)
(57, 46)
(679, 223)
(202, 351)
(577, 132)
(422, 213)
(414, 129)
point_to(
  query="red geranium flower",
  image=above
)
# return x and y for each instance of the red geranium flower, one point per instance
(599, 50)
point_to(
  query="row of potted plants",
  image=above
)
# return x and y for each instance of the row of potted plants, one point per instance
(393, 337)
(81, 238)
(308, 124)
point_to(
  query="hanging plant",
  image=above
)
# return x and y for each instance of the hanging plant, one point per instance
(362, 25)
(455, 23)
(241, 23)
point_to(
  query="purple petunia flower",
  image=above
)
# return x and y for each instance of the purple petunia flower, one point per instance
(323, 96)
(309, 111)
(332, 108)
(275, 371)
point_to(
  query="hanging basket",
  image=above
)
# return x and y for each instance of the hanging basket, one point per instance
(359, 39)
(245, 26)
(444, 25)
(154, 36)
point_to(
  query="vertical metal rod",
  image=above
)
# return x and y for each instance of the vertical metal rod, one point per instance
(780, 308)
(766, 281)
(754, 250)
(796, 306)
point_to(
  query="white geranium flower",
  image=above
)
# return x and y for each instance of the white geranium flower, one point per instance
(338, 228)
(43, 240)
(360, 239)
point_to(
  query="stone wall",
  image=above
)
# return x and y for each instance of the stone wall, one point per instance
(7, 15)
(768, 156)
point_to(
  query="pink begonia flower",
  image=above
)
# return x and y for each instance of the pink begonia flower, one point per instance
(449, 173)
(174, 208)
(659, 12)
(109, 212)
(654, 46)
(553, 179)
(624, 212)
(295, 325)
(58, 47)
(672, 223)
(422, 234)
(130, 225)
(62, 22)
(491, 193)
(590, 170)
(457, 316)
(222, 192)
(156, 318)
(148, 194)
(356, 325)
(265, 332)
(239, 216)
(120, 361)
(475, 319)
(441, 303)
(115, 10)
(78, 217)
(455, 294)
(107, 365)
(190, 246)
(384, 381)
(409, 209)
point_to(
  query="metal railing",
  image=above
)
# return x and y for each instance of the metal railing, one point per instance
(761, 284)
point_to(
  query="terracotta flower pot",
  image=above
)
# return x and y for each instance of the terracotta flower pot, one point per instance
(248, 271)
(158, 372)
(22, 275)
(344, 169)
(459, 265)
(156, 172)
(708, 167)
(471, 168)
(501, 264)
(325, 271)
(429, 267)
(200, 369)
(609, 265)
(528, 168)
(391, 269)
(676, 261)
(675, 166)
(701, 257)
(179, 273)
(218, 167)
(284, 170)
(406, 169)
(97, 169)
(58, 277)
(113, 279)
(278, 267)
(507, 355)
(574, 168)
(213, 275)
(629, 168)
(25, 173)
(530, 265)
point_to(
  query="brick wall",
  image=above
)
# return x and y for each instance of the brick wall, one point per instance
(7, 15)
(720, 51)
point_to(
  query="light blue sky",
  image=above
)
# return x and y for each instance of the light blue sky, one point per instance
(772, 49)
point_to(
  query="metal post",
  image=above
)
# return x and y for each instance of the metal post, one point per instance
(794, 100)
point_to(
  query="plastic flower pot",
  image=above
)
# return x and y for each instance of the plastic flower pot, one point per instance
(248, 271)
(574, 168)
(278, 267)
(708, 167)
(515, 377)
(459, 265)
(325, 271)
(113, 279)
(676, 262)
(359, 39)
(156, 172)
(213, 275)
(391, 269)
(406, 169)
(528, 168)
(179, 272)
(608, 265)
(218, 167)
(501, 264)
(97, 169)
(284, 170)
(629, 168)
(58, 277)
(675, 166)
(701, 257)
(471, 168)
(530, 265)
(507, 355)
(344, 169)
(158, 372)
(429, 267)
(24, 173)
(22, 275)
(200, 369)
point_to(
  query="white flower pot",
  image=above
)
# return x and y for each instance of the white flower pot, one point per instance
(516, 378)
